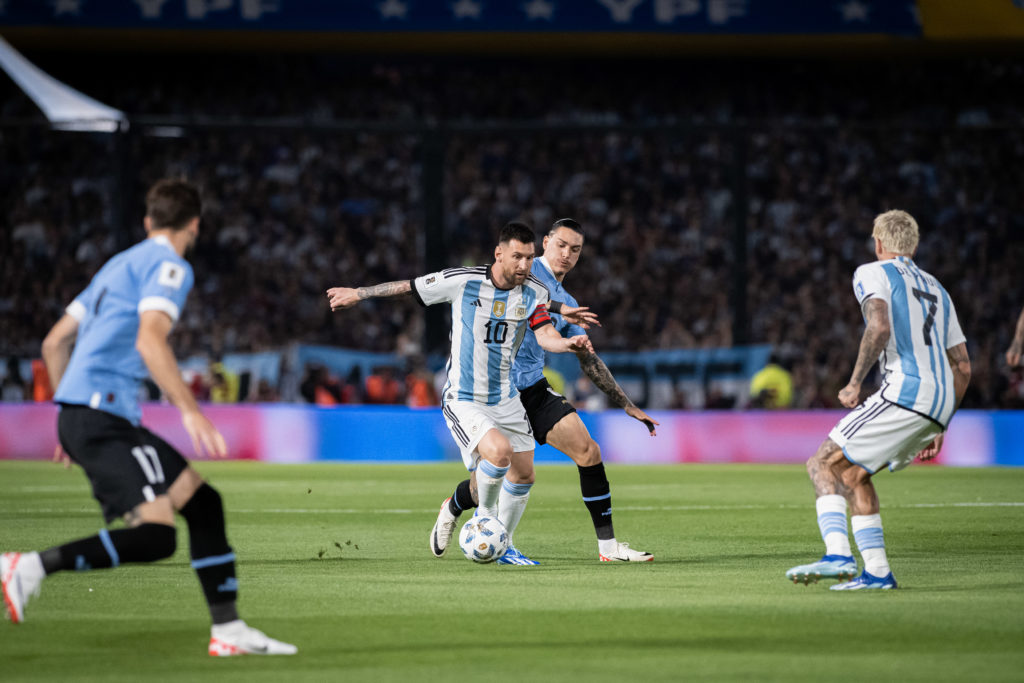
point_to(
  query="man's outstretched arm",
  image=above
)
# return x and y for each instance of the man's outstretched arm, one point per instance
(601, 376)
(347, 297)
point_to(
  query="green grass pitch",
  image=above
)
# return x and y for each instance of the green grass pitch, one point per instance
(334, 558)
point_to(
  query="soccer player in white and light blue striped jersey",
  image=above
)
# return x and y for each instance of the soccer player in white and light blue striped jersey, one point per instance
(914, 334)
(492, 308)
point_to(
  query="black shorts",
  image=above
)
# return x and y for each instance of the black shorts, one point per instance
(126, 465)
(544, 408)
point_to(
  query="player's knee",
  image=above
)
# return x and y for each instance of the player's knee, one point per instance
(205, 504)
(161, 540)
(590, 455)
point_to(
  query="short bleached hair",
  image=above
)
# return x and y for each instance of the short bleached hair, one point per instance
(898, 232)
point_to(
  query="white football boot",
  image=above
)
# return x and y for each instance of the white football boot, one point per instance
(621, 552)
(21, 576)
(238, 638)
(444, 529)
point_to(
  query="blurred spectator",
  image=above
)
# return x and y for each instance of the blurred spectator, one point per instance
(771, 387)
(41, 389)
(382, 387)
(419, 386)
(320, 387)
(224, 384)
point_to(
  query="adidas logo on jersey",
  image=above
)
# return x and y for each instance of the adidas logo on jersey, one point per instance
(476, 302)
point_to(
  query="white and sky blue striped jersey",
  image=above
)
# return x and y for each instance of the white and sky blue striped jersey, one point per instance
(528, 368)
(923, 324)
(105, 370)
(488, 325)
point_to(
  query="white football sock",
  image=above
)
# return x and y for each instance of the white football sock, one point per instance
(512, 505)
(867, 529)
(488, 485)
(832, 523)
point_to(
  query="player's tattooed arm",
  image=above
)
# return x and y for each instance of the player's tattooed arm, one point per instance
(346, 297)
(601, 376)
(876, 336)
(960, 362)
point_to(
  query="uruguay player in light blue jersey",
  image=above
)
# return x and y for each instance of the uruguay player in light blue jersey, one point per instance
(914, 334)
(97, 355)
(552, 417)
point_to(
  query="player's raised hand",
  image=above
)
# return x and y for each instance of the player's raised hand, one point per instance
(849, 395)
(638, 414)
(580, 344)
(580, 315)
(932, 449)
(342, 297)
(205, 438)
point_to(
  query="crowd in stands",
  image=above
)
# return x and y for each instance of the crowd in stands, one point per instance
(291, 210)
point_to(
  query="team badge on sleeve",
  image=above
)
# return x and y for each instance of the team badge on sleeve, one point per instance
(171, 275)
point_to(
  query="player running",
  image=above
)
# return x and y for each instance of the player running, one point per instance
(913, 332)
(492, 309)
(119, 327)
(553, 418)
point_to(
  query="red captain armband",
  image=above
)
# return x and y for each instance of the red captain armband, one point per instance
(540, 317)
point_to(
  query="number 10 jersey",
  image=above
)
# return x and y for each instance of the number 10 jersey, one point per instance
(488, 326)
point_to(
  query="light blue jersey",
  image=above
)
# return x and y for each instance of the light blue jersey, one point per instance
(924, 324)
(105, 370)
(529, 366)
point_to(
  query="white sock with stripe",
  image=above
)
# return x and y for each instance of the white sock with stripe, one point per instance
(867, 529)
(488, 485)
(512, 505)
(832, 523)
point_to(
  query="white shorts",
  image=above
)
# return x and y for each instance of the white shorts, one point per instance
(469, 421)
(879, 433)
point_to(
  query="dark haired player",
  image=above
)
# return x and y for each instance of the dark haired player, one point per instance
(553, 418)
(118, 327)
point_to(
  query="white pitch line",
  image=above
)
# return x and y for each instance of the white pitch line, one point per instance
(627, 508)
(667, 508)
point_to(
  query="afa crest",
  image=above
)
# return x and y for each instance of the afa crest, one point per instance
(498, 309)
(520, 311)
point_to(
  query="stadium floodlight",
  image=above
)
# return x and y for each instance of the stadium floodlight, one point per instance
(64, 107)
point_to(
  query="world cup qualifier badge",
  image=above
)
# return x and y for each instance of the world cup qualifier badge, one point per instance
(498, 309)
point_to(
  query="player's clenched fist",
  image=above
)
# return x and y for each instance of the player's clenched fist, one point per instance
(342, 297)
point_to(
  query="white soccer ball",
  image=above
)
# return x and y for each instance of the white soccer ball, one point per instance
(483, 539)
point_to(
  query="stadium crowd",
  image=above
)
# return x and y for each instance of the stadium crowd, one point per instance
(292, 210)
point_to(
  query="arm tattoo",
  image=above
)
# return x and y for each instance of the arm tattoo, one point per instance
(384, 290)
(876, 336)
(602, 378)
(960, 363)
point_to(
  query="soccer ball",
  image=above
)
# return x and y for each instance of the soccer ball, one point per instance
(483, 539)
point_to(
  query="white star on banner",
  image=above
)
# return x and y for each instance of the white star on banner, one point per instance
(393, 9)
(467, 8)
(539, 9)
(67, 7)
(854, 10)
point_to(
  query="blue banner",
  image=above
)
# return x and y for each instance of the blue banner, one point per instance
(733, 17)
